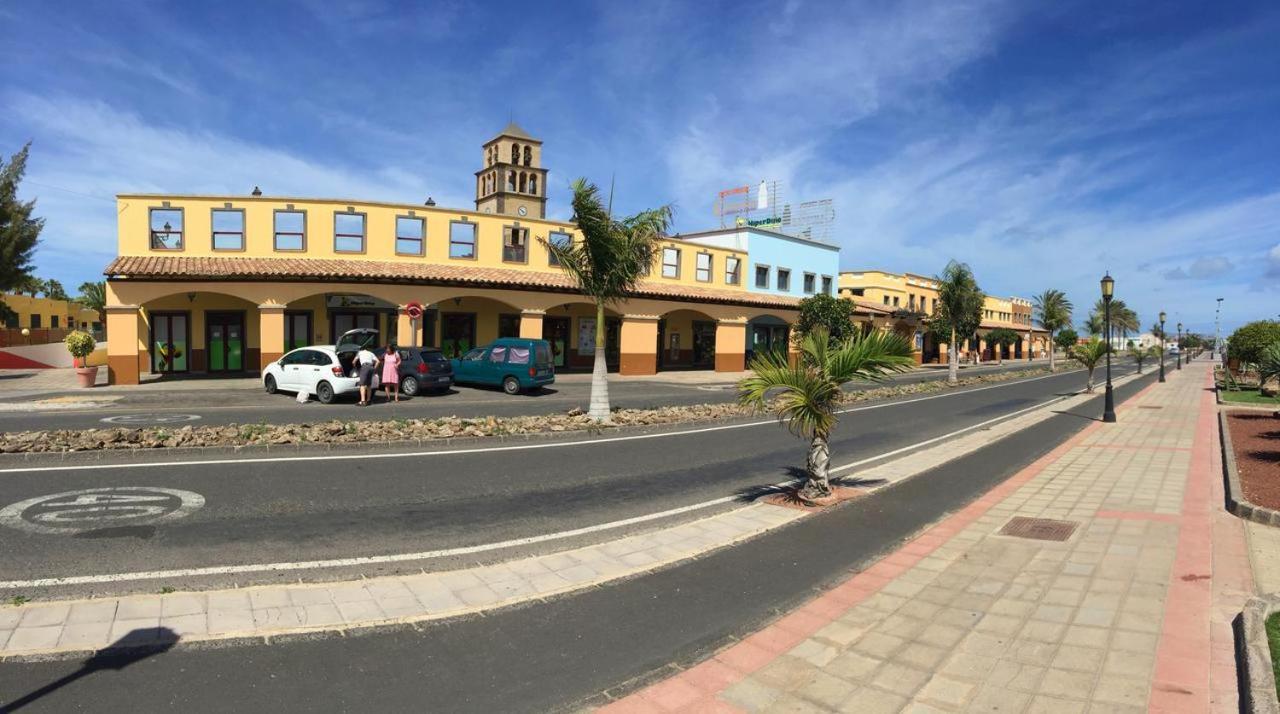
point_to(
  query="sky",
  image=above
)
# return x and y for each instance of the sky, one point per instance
(1041, 143)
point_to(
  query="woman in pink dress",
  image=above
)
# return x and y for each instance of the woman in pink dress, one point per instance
(391, 372)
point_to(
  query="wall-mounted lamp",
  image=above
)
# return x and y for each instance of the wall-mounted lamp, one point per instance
(457, 301)
(430, 201)
(257, 191)
(191, 297)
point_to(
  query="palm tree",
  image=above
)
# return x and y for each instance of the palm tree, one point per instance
(1269, 368)
(1140, 354)
(810, 390)
(1053, 312)
(94, 296)
(1093, 325)
(607, 263)
(1089, 354)
(959, 310)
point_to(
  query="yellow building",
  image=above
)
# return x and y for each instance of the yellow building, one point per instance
(913, 298)
(45, 319)
(227, 284)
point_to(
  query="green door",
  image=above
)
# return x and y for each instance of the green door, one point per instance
(226, 342)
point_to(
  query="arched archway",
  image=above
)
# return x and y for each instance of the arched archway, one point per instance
(571, 330)
(198, 332)
(767, 333)
(458, 323)
(686, 340)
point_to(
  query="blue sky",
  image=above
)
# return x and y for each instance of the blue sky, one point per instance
(1042, 145)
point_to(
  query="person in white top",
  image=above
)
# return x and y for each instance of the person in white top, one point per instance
(367, 362)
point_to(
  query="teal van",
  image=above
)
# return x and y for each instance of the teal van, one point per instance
(513, 363)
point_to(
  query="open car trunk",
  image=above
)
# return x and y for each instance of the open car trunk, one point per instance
(350, 343)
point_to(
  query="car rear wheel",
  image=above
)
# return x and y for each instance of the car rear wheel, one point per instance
(511, 385)
(409, 386)
(324, 393)
(269, 384)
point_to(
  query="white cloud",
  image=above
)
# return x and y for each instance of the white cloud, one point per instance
(86, 152)
(1202, 268)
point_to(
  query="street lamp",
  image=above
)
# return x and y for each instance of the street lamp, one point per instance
(1108, 404)
(1162, 316)
(1179, 344)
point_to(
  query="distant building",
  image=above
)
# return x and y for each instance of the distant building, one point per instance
(909, 299)
(45, 319)
(228, 284)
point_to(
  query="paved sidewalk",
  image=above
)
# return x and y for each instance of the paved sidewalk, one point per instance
(265, 611)
(1131, 613)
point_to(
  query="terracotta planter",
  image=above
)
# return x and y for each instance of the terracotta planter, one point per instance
(87, 376)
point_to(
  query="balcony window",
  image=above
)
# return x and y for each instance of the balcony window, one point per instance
(561, 240)
(228, 229)
(462, 240)
(810, 283)
(291, 230)
(515, 244)
(703, 266)
(826, 285)
(670, 263)
(348, 232)
(166, 229)
(732, 271)
(784, 280)
(762, 277)
(411, 235)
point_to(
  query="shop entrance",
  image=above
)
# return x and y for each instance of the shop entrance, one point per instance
(556, 331)
(458, 333)
(224, 335)
(297, 329)
(170, 341)
(704, 344)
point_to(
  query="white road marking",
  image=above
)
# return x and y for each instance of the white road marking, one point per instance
(150, 418)
(494, 449)
(465, 550)
(93, 508)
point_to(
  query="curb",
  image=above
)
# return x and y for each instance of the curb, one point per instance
(1237, 504)
(1258, 685)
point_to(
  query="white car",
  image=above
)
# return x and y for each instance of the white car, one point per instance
(323, 370)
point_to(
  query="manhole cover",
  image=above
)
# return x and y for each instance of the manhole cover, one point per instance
(1039, 528)
(91, 509)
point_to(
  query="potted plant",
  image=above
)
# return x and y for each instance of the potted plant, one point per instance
(81, 345)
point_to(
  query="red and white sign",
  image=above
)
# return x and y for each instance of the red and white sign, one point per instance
(413, 310)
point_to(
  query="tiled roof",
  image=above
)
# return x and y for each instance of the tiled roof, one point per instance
(173, 267)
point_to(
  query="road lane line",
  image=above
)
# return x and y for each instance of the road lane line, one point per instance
(492, 449)
(485, 547)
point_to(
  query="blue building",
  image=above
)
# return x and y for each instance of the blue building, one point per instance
(779, 264)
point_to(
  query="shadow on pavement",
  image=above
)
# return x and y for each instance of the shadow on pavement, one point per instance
(134, 647)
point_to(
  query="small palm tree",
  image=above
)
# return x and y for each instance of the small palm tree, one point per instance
(959, 311)
(810, 391)
(1269, 368)
(607, 263)
(1139, 354)
(1089, 354)
(1053, 312)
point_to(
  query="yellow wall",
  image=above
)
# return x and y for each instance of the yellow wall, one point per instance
(67, 312)
(877, 285)
(134, 234)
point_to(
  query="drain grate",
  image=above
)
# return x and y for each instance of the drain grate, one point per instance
(1039, 528)
(1147, 406)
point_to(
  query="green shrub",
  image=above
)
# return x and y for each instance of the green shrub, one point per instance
(1247, 343)
(80, 344)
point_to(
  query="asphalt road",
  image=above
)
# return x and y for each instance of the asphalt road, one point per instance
(178, 406)
(560, 654)
(330, 506)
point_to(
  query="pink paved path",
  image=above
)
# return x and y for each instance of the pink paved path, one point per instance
(1194, 668)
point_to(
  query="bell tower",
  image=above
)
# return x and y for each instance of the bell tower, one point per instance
(512, 182)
